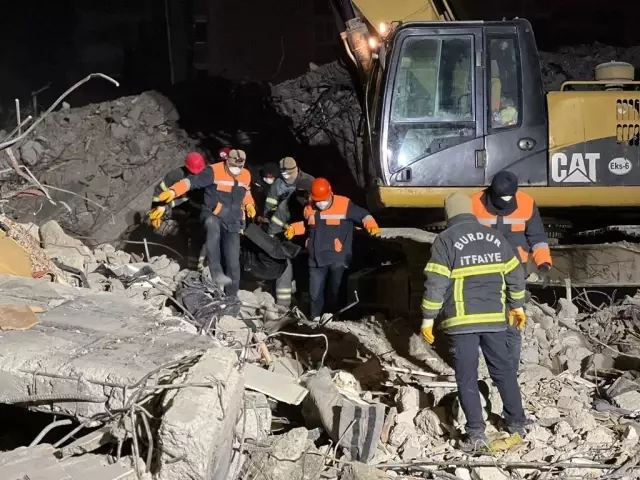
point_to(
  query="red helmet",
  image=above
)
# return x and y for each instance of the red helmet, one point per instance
(195, 163)
(224, 153)
(320, 190)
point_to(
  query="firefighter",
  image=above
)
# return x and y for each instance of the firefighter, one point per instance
(227, 196)
(515, 215)
(331, 218)
(285, 204)
(194, 163)
(470, 275)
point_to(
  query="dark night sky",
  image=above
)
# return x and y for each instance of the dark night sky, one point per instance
(45, 42)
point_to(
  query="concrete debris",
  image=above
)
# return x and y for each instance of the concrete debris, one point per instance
(108, 153)
(359, 471)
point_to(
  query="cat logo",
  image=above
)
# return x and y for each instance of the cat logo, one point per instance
(575, 171)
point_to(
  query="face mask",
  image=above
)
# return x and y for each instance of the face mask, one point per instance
(235, 170)
(286, 175)
(506, 198)
(268, 180)
(322, 205)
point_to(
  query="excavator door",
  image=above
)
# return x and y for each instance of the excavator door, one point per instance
(459, 102)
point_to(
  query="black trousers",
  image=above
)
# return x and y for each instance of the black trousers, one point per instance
(317, 282)
(220, 241)
(464, 354)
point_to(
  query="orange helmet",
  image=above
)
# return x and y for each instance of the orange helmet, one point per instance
(320, 190)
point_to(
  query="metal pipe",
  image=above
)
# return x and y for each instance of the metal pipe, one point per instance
(47, 429)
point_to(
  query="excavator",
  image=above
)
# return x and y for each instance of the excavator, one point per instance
(447, 104)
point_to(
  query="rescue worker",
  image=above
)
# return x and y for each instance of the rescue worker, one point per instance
(227, 196)
(194, 163)
(264, 178)
(470, 274)
(223, 153)
(515, 215)
(331, 219)
(285, 203)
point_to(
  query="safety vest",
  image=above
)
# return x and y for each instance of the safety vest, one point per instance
(523, 227)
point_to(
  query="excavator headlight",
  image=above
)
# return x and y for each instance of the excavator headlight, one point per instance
(383, 29)
(373, 43)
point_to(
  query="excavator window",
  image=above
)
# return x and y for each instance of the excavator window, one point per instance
(504, 82)
(432, 106)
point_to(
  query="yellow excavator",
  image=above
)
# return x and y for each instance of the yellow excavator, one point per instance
(447, 104)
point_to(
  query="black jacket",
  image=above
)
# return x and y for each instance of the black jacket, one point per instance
(471, 273)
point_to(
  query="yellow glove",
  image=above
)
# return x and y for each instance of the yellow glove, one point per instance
(517, 318)
(156, 215)
(251, 210)
(290, 232)
(427, 331)
(374, 231)
(167, 196)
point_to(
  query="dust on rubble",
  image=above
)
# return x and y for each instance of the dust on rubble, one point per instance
(105, 154)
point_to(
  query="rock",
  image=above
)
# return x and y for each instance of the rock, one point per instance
(400, 432)
(100, 186)
(530, 355)
(534, 374)
(463, 473)
(257, 426)
(165, 267)
(66, 249)
(100, 256)
(488, 473)
(360, 471)
(628, 401)
(139, 145)
(567, 310)
(288, 459)
(134, 113)
(536, 432)
(411, 448)
(30, 152)
(428, 423)
(228, 324)
(563, 429)
(408, 399)
(630, 437)
(582, 421)
(583, 473)
(535, 455)
(119, 131)
(601, 436)
(346, 381)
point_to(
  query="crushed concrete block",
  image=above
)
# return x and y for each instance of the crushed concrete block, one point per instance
(280, 387)
(346, 381)
(118, 257)
(257, 425)
(535, 455)
(30, 152)
(628, 401)
(463, 473)
(585, 473)
(530, 355)
(488, 473)
(68, 250)
(582, 421)
(288, 459)
(534, 373)
(400, 432)
(566, 309)
(630, 437)
(411, 448)
(408, 399)
(600, 436)
(428, 423)
(538, 433)
(228, 324)
(200, 422)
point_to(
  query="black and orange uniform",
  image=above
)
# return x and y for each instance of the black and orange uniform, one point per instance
(330, 245)
(519, 222)
(225, 198)
(195, 199)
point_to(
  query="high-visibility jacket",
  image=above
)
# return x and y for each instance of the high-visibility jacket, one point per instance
(472, 277)
(523, 227)
(276, 206)
(331, 230)
(169, 179)
(225, 196)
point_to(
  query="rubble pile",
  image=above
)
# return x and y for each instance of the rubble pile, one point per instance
(106, 154)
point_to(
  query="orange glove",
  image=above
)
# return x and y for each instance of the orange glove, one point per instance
(167, 196)
(427, 331)
(374, 231)
(290, 232)
(517, 318)
(251, 210)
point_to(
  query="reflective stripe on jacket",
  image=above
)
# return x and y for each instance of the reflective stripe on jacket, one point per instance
(169, 179)
(471, 278)
(279, 195)
(523, 228)
(331, 230)
(224, 196)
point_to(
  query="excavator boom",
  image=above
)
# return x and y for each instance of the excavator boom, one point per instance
(377, 13)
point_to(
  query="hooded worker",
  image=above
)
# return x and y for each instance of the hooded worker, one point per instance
(284, 204)
(194, 163)
(471, 277)
(227, 197)
(331, 219)
(514, 213)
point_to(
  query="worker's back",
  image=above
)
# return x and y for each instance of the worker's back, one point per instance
(476, 260)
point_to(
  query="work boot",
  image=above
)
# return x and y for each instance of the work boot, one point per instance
(221, 280)
(518, 427)
(474, 442)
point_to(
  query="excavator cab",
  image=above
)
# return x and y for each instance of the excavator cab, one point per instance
(451, 104)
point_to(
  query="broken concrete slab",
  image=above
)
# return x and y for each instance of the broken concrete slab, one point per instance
(275, 385)
(83, 340)
(199, 422)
